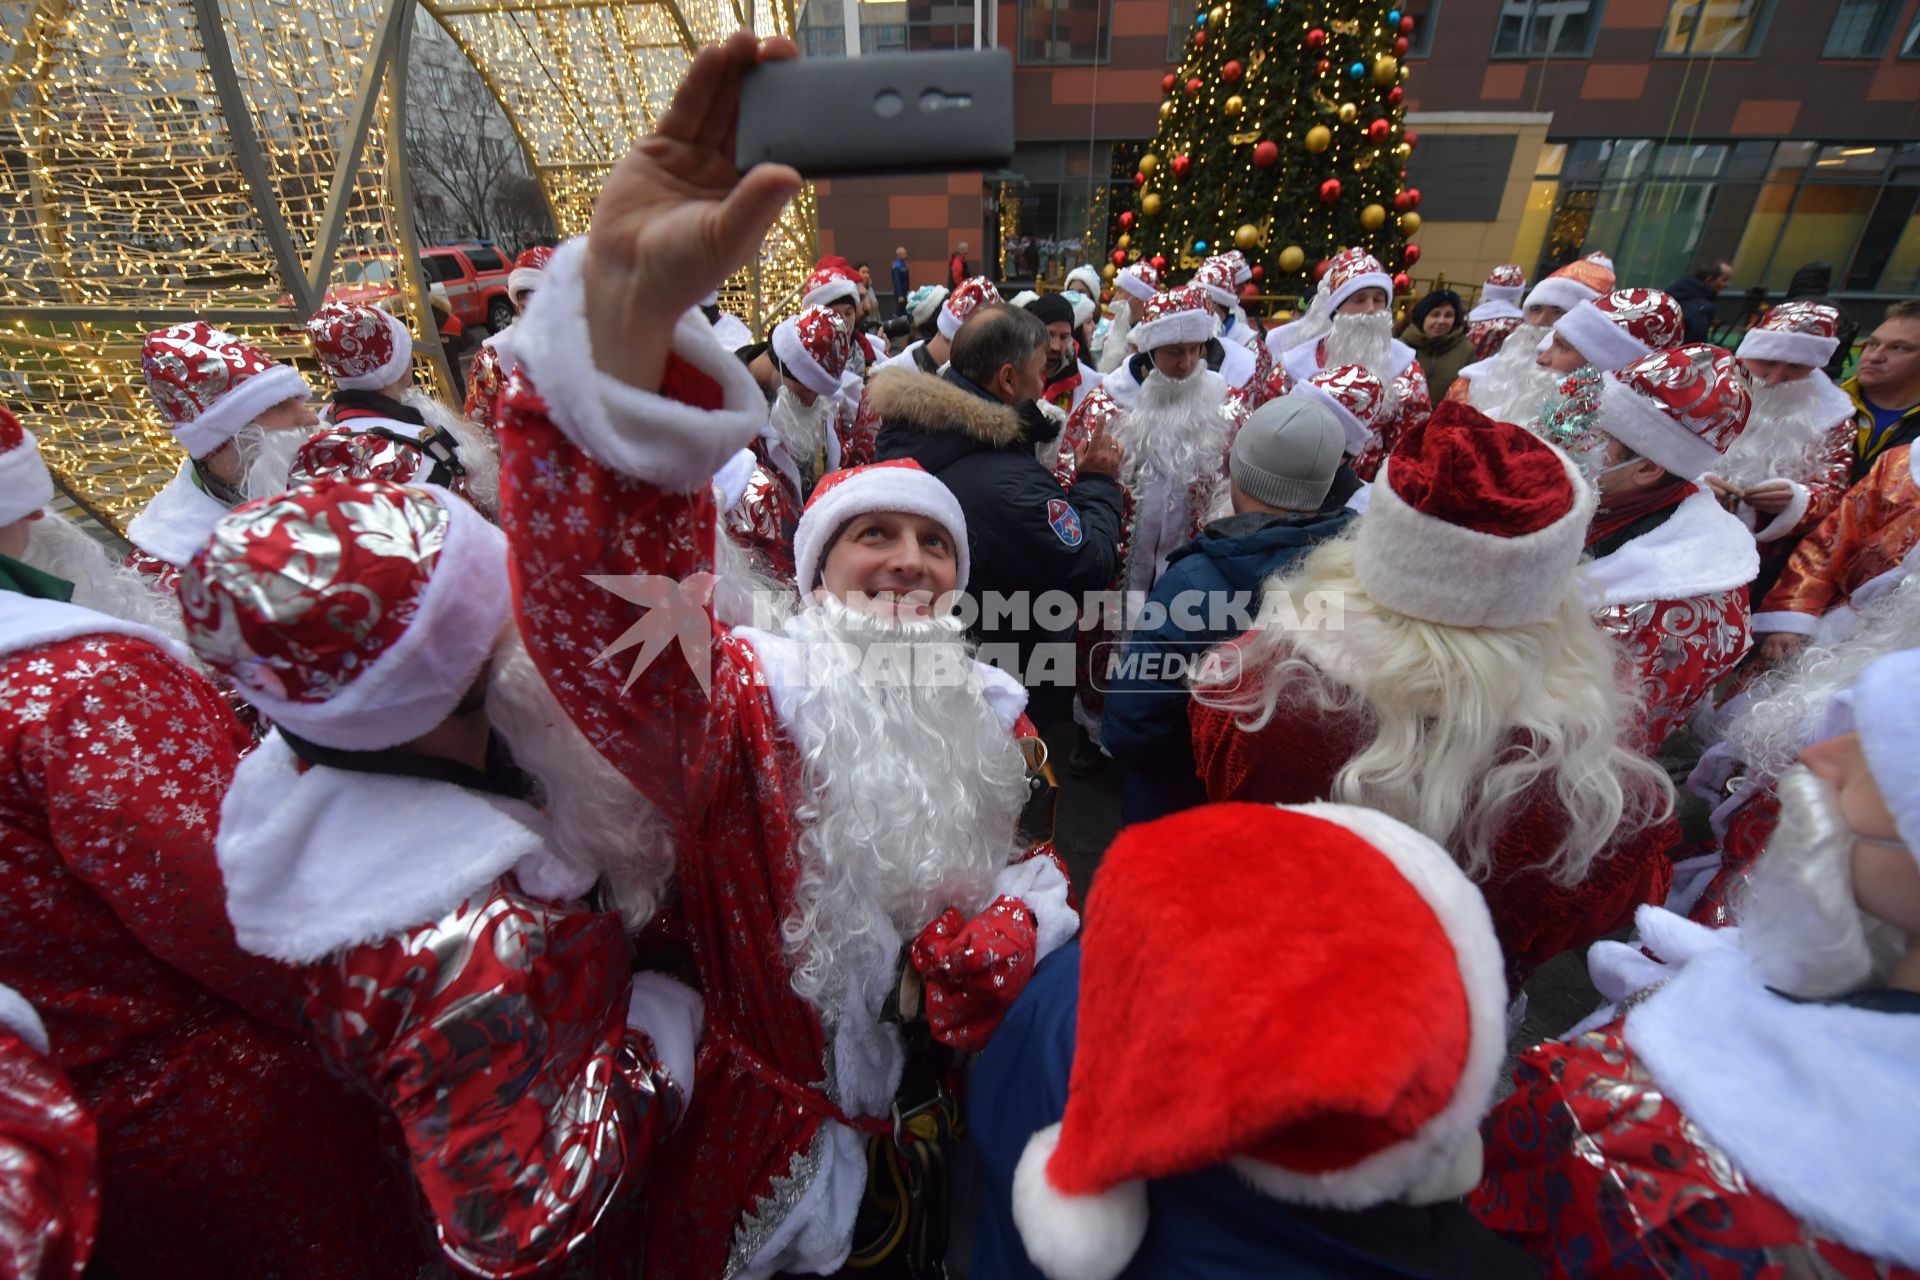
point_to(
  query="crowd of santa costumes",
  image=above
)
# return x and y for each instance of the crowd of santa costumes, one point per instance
(573, 835)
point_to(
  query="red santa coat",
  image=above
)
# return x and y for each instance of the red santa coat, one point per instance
(487, 379)
(766, 1173)
(1675, 602)
(1817, 490)
(1408, 403)
(185, 1049)
(1296, 756)
(1488, 336)
(449, 970)
(49, 1183)
(1860, 551)
(362, 447)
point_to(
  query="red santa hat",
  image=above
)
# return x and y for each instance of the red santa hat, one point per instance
(527, 269)
(1356, 398)
(1333, 1027)
(1216, 277)
(1796, 332)
(900, 485)
(209, 384)
(830, 283)
(1682, 408)
(1178, 315)
(963, 302)
(1140, 280)
(25, 485)
(1610, 333)
(1237, 262)
(1350, 271)
(1505, 283)
(360, 348)
(813, 348)
(1473, 523)
(353, 613)
(1579, 281)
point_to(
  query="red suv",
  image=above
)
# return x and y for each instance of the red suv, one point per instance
(475, 278)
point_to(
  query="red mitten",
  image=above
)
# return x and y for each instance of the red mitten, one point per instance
(974, 969)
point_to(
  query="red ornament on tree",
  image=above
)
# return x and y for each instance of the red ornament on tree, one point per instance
(1231, 71)
(1259, 272)
(1159, 262)
(1394, 95)
(1193, 87)
(1182, 165)
(1199, 39)
(1319, 269)
(1139, 179)
(1249, 291)
(1126, 220)
(1322, 67)
(1406, 25)
(1412, 254)
(1316, 38)
(1401, 284)
(1400, 47)
(1167, 82)
(1400, 203)
(1379, 131)
(1329, 191)
(1265, 155)
(1119, 257)
(1413, 193)
(1411, 138)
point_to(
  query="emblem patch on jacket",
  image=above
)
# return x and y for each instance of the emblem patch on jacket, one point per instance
(1065, 521)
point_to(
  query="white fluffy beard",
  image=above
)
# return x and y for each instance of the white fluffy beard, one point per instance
(1115, 349)
(1784, 437)
(1175, 430)
(1514, 389)
(265, 458)
(802, 430)
(1364, 339)
(477, 451)
(1798, 919)
(912, 789)
(598, 823)
(58, 546)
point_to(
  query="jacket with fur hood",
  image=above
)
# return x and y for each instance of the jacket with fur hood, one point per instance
(1027, 533)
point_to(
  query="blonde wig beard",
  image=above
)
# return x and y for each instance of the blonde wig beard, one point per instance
(1465, 722)
(1514, 388)
(1798, 917)
(57, 546)
(911, 792)
(478, 452)
(1175, 431)
(1783, 439)
(1365, 339)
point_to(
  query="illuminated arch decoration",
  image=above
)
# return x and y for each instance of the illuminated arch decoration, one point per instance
(234, 160)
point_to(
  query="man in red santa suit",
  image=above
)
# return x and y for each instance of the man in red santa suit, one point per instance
(1510, 385)
(1611, 332)
(487, 378)
(1238, 352)
(852, 786)
(1464, 689)
(381, 426)
(1752, 1113)
(834, 283)
(1133, 288)
(1351, 322)
(187, 1051)
(1670, 566)
(447, 963)
(1789, 468)
(803, 371)
(931, 355)
(1498, 312)
(241, 416)
(49, 1169)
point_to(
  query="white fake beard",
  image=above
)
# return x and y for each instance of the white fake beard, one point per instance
(57, 546)
(265, 458)
(802, 430)
(598, 823)
(1783, 438)
(477, 451)
(1115, 350)
(1798, 919)
(1362, 339)
(912, 792)
(1175, 430)
(1515, 389)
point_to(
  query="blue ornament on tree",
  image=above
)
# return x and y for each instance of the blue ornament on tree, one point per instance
(1199, 246)
(1356, 70)
(1393, 17)
(1200, 18)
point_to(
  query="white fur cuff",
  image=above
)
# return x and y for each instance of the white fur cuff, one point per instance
(19, 1017)
(1037, 882)
(1793, 624)
(1558, 291)
(1601, 342)
(1793, 348)
(672, 1015)
(1181, 326)
(639, 433)
(1090, 1237)
(1788, 520)
(1645, 428)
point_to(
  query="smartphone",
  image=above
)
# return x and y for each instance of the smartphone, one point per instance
(882, 113)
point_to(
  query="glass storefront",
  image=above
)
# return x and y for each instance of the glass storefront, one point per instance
(1055, 209)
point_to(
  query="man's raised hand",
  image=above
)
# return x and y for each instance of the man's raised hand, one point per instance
(675, 217)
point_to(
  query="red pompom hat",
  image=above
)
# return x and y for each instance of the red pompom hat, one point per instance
(1333, 1028)
(1140, 280)
(1581, 280)
(814, 346)
(1473, 523)
(25, 485)
(899, 485)
(1628, 324)
(209, 384)
(830, 282)
(1795, 332)
(360, 348)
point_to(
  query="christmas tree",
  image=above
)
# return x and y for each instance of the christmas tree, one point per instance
(1282, 135)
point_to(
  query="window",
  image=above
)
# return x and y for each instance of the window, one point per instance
(1180, 27)
(1910, 43)
(1064, 31)
(886, 26)
(1056, 208)
(1860, 29)
(440, 267)
(484, 259)
(1714, 28)
(1547, 28)
(1425, 13)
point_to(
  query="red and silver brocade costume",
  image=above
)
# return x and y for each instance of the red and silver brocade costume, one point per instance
(1488, 336)
(1249, 379)
(487, 381)
(1408, 402)
(1816, 492)
(1628, 1152)
(758, 511)
(765, 1174)
(49, 1183)
(178, 1042)
(353, 451)
(1859, 552)
(1674, 600)
(1295, 757)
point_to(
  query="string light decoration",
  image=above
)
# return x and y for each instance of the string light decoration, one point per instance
(233, 160)
(1282, 134)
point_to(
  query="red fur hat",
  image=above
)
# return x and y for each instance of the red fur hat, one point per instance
(1324, 1009)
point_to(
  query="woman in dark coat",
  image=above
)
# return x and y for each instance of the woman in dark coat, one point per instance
(1437, 331)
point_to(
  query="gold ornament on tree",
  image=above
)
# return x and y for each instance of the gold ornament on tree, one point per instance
(1348, 113)
(1150, 204)
(1109, 271)
(1373, 217)
(1166, 107)
(1401, 152)
(1385, 69)
(1292, 258)
(1149, 163)
(1409, 222)
(1246, 236)
(1319, 138)
(1216, 16)
(1123, 242)
(1234, 105)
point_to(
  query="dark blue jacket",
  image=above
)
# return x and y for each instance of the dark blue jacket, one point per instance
(901, 287)
(1208, 1225)
(1144, 725)
(1698, 305)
